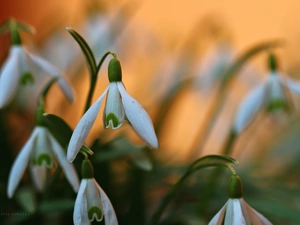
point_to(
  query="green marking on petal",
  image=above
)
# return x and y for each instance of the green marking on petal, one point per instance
(278, 104)
(95, 211)
(26, 78)
(114, 121)
(44, 159)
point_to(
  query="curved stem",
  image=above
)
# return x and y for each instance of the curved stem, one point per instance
(44, 92)
(94, 80)
(210, 188)
(171, 193)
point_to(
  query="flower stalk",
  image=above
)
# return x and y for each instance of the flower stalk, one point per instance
(204, 162)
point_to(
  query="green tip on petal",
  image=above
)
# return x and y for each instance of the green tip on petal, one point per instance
(114, 120)
(278, 104)
(26, 78)
(44, 159)
(95, 211)
(235, 187)
(114, 70)
(87, 169)
(272, 62)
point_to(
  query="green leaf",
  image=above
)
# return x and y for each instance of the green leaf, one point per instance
(89, 56)
(56, 205)
(206, 161)
(119, 148)
(242, 59)
(58, 128)
(61, 131)
(141, 161)
(26, 198)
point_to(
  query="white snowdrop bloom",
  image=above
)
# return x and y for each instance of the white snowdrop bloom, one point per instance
(119, 104)
(92, 202)
(236, 211)
(213, 64)
(275, 93)
(21, 67)
(39, 152)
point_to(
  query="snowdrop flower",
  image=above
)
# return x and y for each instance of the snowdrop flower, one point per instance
(213, 64)
(272, 95)
(236, 211)
(39, 152)
(92, 202)
(21, 68)
(119, 104)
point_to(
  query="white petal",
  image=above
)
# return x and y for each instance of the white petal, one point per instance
(51, 70)
(234, 215)
(10, 76)
(254, 216)
(93, 197)
(43, 64)
(292, 85)
(138, 117)
(109, 212)
(39, 175)
(42, 154)
(80, 215)
(246, 212)
(20, 164)
(83, 128)
(263, 220)
(274, 88)
(219, 217)
(67, 167)
(113, 107)
(249, 107)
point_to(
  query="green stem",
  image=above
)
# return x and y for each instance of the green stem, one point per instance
(174, 189)
(227, 150)
(94, 80)
(210, 188)
(44, 92)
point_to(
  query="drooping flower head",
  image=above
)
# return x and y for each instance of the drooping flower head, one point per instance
(40, 152)
(213, 64)
(236, 211)
(23, 68)
(119, 106)
(273, 94)
(92, 203)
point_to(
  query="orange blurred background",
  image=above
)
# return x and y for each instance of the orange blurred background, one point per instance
(244, 23)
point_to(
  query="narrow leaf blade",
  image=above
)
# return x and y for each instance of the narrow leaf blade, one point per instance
(89, 56)
(243, 58)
